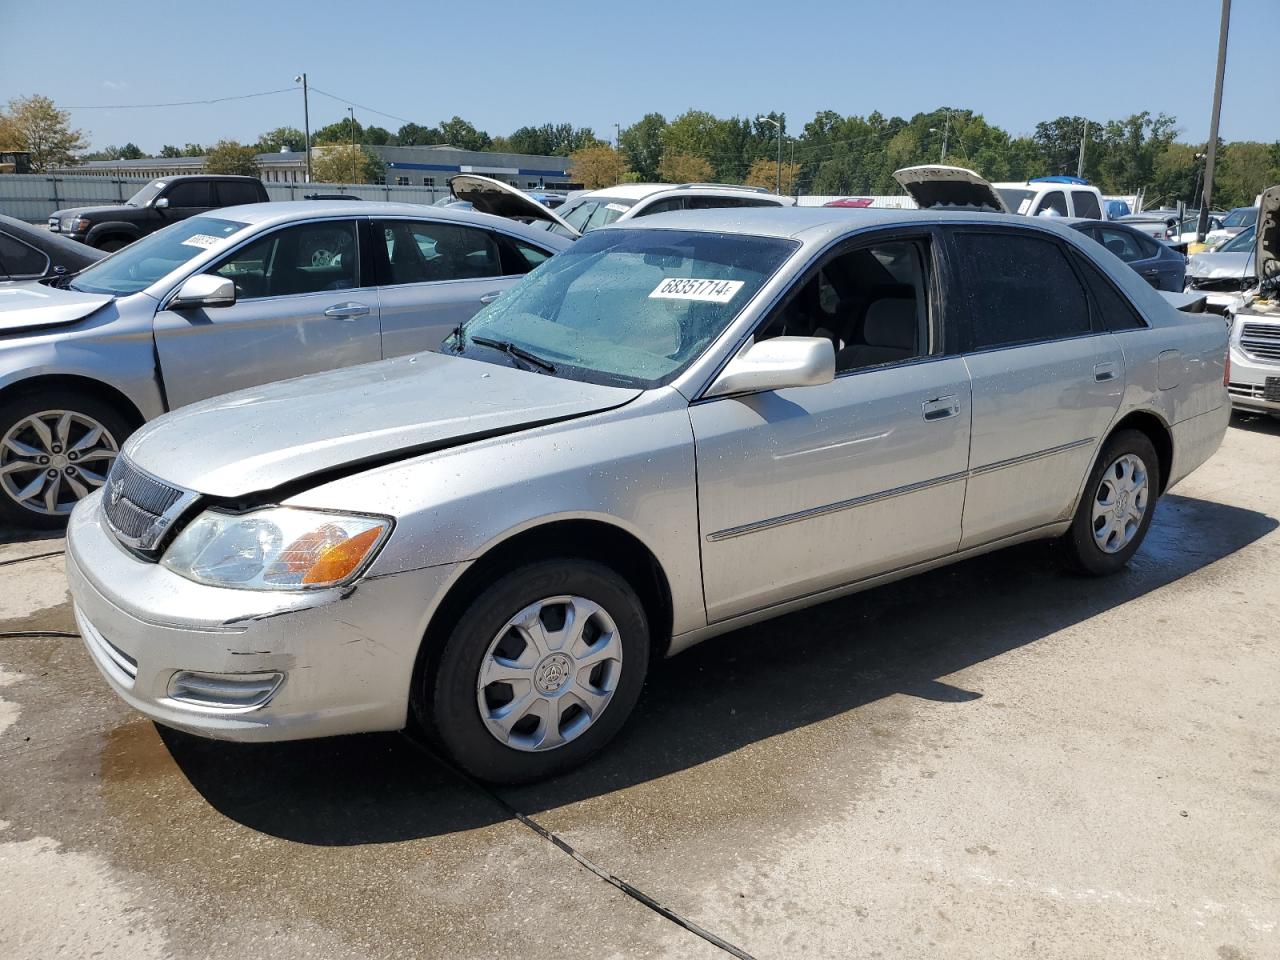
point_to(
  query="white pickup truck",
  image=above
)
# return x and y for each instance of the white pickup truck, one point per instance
(1253, 371)
(934, 185)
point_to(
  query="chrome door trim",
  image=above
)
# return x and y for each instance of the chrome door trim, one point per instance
(758, 525)
(809, 514)
(1027, 458)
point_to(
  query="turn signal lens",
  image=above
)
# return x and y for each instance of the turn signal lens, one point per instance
(339, 561)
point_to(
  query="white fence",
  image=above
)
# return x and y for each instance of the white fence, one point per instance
(32, 197)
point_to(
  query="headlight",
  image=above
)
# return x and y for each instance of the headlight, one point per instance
(276, 548)
(75, 224)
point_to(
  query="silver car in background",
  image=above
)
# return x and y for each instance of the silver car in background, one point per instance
(676, 427)
(239, 297)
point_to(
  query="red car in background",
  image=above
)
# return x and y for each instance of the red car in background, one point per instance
(850, 202)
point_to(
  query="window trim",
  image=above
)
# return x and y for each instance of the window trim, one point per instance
(1094, 310)
(963, 349)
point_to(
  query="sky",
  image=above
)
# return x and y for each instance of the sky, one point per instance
(503, 65)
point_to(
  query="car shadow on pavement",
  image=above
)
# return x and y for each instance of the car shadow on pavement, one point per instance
(727, 693)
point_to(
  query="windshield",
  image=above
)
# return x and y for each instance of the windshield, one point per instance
(1241, 217)
(1241, 243)
(1018, 201)
(630, 307)
(145, 261)
(590, 213)
(146, 194)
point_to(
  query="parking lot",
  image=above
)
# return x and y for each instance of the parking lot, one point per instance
(991, 760)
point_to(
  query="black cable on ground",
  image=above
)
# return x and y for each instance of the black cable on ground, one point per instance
(34, 556)
(17, 634)
(636, 894)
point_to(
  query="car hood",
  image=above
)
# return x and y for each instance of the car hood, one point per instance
(266, 437)
(32, 305)
(503, 200)
(91, 212)
(1267, 248)
(933, 186)
(1220, 266)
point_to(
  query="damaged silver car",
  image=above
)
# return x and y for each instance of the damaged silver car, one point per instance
(678, 426)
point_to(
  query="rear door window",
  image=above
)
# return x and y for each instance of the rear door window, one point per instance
(1016, 289)
(1114, 310)
(191, 193)
(232, 193)
(1086, 204)
(421, 251)
(661, 206)
(1122, 243)
(1052, 205)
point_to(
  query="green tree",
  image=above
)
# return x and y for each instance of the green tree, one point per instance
(465, 136)
(35, 125)
(343, 163)
(684, 168)
(764, 173)
(170, 151)
(273, 141)
(1247, 169)
(344, 131)
(552, 139)
(415, 135)
(641, 145)
(130, 151)
(231, 156)
(378, 136)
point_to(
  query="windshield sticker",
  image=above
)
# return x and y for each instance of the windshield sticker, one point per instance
(615, 207)
(691, 288)
(202, 240)
(1025, 205)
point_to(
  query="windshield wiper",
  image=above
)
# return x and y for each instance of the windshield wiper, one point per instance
(511, 350)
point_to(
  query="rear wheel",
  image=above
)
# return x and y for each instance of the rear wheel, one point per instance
(541, 670)
(112, 244)
(55, 449)
(1116, 509)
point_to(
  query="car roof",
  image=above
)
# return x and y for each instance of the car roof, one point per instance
(287, 211)
(819, 224)
(638, 191)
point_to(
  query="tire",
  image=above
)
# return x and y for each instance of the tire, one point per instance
(112, 244)
(1100, 545)
(450, 700)
(83, 471)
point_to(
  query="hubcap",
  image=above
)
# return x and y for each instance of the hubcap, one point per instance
(549, 673)
(51, 460)
(1120, 503)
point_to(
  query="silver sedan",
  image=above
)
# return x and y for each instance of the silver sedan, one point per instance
(234, 299)
(668, 431)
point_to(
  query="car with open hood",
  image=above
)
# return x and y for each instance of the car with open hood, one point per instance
(680, 425)
(941, 187)
(1224, 275)
(591, 209)
(1255, 317)
(213, 303)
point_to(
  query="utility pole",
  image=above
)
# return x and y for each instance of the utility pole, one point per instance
(1084, 138)
(352, 113)
(946, 134)
(1206, 198)
(306, 120)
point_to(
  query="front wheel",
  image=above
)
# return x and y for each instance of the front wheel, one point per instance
(1116, 509)
(540, 672)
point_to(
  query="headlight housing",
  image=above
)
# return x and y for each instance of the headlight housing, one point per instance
(276, 548)
(75, 224)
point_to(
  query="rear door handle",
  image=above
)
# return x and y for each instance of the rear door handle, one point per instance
(490, 297)
(1103, 372)
(940, 408)
(347, 311)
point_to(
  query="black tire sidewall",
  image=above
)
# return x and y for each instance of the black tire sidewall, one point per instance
(1085, 554)
(450, 689)
(23, 405)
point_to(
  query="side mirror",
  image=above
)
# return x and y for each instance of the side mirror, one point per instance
(775, 364)
(161, 204)
(204, 290)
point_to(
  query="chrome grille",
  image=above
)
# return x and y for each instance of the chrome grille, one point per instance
(1261, 341)
(140, 508)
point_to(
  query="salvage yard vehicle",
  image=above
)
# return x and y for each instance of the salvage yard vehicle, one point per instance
(1255, 319)
(593, 209)
(940, 187)
(216, 303)
(1155, 262)
(30, 253)
(157, 205)
(1226, 274)
(676, 427)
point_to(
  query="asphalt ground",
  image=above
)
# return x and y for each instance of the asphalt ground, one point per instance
(992, 760)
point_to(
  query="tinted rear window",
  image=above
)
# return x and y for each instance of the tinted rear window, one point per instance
(1086, 204)
(232, 193)
(1017, 289)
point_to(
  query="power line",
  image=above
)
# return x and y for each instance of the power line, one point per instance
(182, 103)
(352, 103)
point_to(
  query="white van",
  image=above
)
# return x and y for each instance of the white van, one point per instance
(933, 185)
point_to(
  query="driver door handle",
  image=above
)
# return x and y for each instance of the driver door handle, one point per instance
(347, 311)
(1103, 372)
(940, 408)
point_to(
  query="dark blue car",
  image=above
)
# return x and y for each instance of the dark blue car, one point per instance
(1160, 265)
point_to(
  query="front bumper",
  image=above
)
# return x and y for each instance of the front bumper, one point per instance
(1248, 386)
(248, 665)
